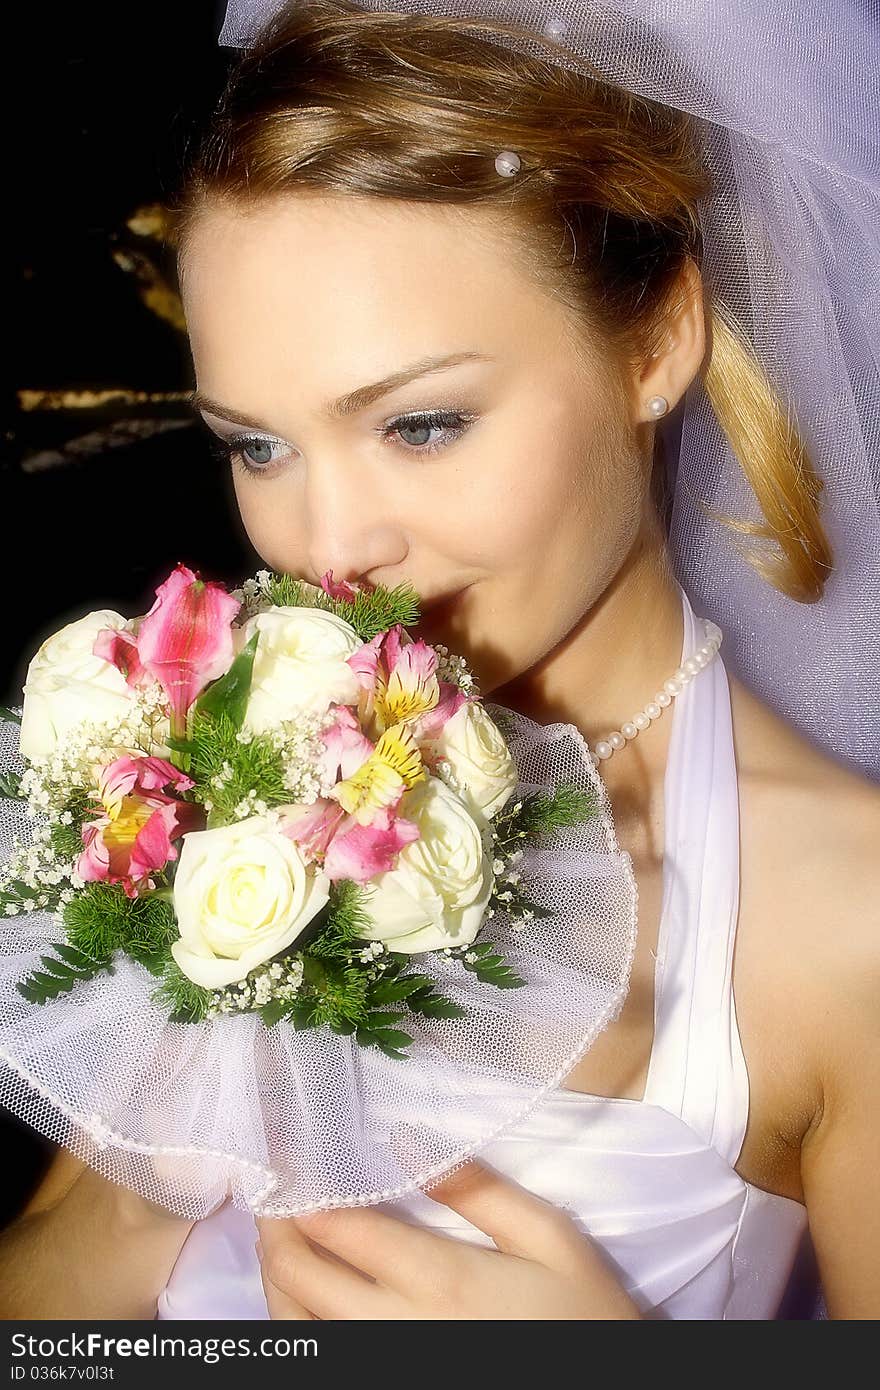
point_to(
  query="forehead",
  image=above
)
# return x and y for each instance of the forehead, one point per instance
(353, 282)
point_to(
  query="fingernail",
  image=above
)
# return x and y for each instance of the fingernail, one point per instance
(259, 1249)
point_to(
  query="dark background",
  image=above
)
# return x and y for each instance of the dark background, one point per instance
(103, 104)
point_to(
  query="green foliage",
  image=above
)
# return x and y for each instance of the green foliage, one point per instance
(286, 592)
(17, 893)
(10, 785)
(186, 1002)
(339, 996)
(100, 919)
(296, 1011)
(332, 992)
(255, 766)
(66, 840)
(61, 974)
(339, 992)
(489, 967)
(540, 813)
(345, 925)
(12, 715)
(417, 992)
(229, 694)
(518, 904)
(368, 613)
(567, 805)
(352, 996)
(391, 1041)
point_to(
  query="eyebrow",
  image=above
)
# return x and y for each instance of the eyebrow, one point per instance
(353, 401)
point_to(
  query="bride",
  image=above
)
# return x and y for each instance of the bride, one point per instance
(439, 294)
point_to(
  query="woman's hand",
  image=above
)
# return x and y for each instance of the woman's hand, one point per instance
(359, 1264)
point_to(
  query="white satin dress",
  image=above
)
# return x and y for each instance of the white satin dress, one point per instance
(651, 1181)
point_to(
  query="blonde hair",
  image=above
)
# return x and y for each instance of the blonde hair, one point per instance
(415, 107)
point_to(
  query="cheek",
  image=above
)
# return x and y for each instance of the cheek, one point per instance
(543, 491)
(270, 521)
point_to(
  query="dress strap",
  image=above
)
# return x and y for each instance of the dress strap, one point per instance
(697, 1068)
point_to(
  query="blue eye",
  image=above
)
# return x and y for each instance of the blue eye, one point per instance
(452, 424)
(260, 455)
(252, 453)
(257, 452)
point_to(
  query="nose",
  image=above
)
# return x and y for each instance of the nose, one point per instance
(349, 525)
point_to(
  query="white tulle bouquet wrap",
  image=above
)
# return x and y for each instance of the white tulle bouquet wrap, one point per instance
(289, 915)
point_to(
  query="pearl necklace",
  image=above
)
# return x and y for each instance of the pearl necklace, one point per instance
(605, 747)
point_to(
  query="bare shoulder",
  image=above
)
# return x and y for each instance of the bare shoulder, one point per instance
(783, 771)
(807, 971)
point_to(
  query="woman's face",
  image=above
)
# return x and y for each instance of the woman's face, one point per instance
(403, 401)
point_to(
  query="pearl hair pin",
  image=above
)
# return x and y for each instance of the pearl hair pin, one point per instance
(605, 747)
(507, 163)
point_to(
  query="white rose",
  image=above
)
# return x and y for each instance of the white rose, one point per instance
(437, 893)
(67, 684)
(300, 664)
(479, 757)
(242, 893)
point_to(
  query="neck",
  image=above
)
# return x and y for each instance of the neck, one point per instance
(612, 664)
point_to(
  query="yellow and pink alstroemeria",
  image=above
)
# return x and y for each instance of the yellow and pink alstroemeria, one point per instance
(326, 833)
(399, 685)
(133, 835)
(354, 831)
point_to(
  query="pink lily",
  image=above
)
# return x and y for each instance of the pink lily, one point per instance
(121, 650)
(132, 837)
(337, 588)
(185, 641)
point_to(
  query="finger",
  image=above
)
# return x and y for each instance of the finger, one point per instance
(321, 1284)
(399, 1255)
(519, 1222)
(281, 1306)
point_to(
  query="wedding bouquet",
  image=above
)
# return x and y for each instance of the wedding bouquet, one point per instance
(272, 800)
(261, 847)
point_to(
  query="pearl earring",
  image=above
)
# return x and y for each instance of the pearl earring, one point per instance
(658, 405)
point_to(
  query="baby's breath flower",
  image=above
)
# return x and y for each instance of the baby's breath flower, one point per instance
(272, 980)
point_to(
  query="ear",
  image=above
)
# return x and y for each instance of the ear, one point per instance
(674, 364)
